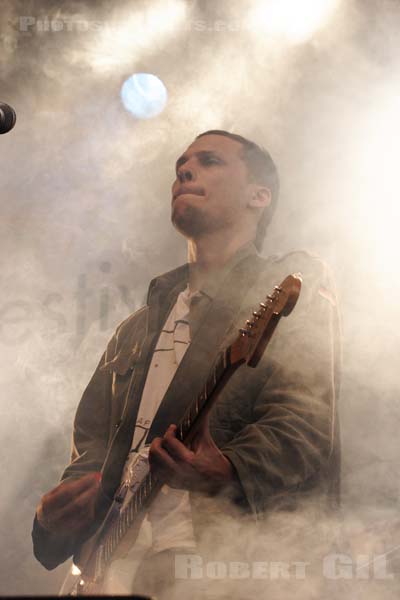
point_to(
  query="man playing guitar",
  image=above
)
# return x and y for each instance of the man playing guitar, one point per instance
(271, 439)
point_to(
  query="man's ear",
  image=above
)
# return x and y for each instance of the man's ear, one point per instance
(259, 196)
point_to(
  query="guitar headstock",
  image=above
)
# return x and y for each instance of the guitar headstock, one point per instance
(255, 335)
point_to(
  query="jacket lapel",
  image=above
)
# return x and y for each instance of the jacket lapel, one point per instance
(162, 295)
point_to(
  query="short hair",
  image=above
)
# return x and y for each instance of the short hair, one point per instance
(261, 169)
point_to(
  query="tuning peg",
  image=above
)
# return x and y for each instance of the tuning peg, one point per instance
(264, 306)
(256, 314)
(245, 332)
(277, 289)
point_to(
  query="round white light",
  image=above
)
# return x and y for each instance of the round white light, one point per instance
(144, 95)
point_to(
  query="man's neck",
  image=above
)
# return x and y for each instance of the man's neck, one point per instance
(210, 253)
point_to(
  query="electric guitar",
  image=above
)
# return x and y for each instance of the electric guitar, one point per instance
(98, 551)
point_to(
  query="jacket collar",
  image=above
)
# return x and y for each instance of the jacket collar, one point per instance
(213, 282)
(177, 279)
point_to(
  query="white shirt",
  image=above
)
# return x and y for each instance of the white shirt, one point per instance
(168, 523)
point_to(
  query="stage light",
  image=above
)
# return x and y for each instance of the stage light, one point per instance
(121, 43)
(144, 95)
(295, 20)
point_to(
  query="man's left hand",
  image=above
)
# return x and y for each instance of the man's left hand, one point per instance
(202, 467)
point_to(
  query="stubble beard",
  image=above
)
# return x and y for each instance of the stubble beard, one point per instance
(192, 222)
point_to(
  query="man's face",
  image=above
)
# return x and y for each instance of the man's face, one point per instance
(211, 189)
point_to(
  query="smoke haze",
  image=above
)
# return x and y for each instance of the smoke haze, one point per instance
(85, 217)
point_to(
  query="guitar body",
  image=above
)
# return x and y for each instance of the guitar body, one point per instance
(110, 541)
(91, 561)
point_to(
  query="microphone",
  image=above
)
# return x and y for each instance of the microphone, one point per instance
(7, 118)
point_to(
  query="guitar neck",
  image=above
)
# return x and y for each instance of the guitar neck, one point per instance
(222, 370)
(150, 485)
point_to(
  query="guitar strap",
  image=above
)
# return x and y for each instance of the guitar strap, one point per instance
(198, 360)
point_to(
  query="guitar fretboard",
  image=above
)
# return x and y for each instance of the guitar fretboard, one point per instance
(150, 485)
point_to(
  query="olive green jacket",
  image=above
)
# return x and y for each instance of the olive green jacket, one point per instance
(277, 423)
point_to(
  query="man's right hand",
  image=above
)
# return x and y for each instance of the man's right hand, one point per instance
(70, 507)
